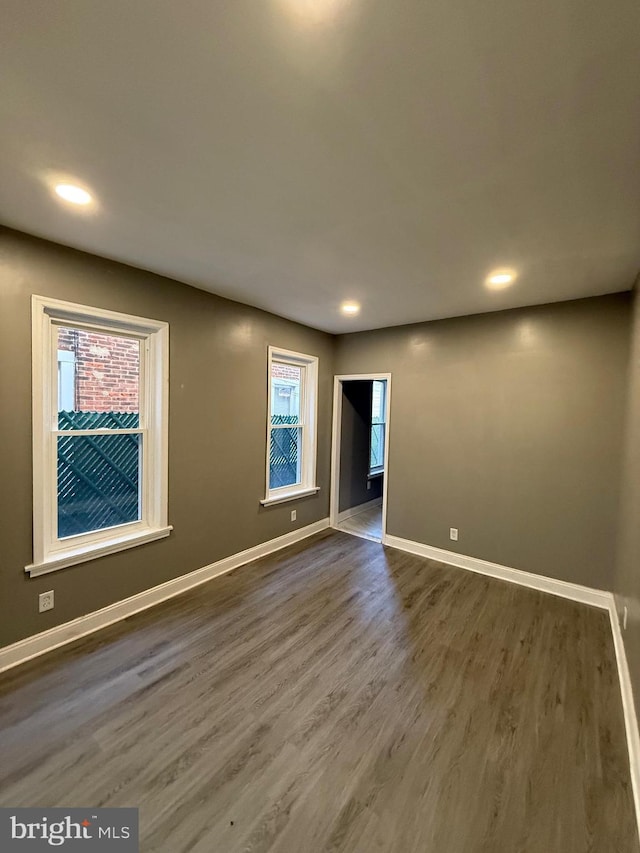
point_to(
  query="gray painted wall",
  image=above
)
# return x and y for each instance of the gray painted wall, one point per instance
(508, 426)
(627, 585)
(218, 398)
(355, 446)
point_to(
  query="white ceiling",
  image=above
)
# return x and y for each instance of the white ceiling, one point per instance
(294, 153)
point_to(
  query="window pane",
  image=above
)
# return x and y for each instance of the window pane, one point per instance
(377, 401)
(378, 390)
(284, 457)
(98, 380)
(377, 446)
(98, 481)
(286, 383)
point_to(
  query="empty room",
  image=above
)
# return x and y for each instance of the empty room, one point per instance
(320, 417)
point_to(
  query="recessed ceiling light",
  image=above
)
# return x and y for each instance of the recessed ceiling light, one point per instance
(312, 12)
(350, 308)
(499, 279)
(73, 194)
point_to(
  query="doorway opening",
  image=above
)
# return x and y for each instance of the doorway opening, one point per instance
(360, 454)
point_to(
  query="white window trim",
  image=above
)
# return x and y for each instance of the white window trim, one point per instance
(309, 407)
(50, 553)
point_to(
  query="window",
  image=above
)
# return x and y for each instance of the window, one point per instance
(378, 426)
(291, 425)
(66, 379)
(100, 382)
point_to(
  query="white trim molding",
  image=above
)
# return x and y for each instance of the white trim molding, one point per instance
(46, 641)
(628, 707)
(574, 591)
(291, 496)
(356, 510)
(92, 552)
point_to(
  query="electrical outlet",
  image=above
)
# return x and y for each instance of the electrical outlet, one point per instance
(453, 534)
(45, 601)
(368, 484)
(625, 613)
(294, 514)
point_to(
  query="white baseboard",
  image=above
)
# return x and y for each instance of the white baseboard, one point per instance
(628, 706)
(46, 641)
(356, 510)
(574, 591)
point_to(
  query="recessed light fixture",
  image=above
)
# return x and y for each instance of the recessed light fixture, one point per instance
(313, 12)
(499, 279)
(73, 194)
(350, 308)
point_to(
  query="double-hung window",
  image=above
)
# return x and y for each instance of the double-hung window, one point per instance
(378, 427)
(291, 425)
(100, 405)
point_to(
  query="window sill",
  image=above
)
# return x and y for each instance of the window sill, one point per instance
(290, 496)
(81, 554)
(377, 473)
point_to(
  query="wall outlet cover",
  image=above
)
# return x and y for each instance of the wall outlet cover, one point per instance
(45, 601)
(453, 534)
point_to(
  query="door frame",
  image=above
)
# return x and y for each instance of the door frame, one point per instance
(336, 438)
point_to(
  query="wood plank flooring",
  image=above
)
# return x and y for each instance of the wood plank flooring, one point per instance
(367, 523)
(335, 696)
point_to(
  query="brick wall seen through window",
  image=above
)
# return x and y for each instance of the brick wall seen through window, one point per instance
(107, 370)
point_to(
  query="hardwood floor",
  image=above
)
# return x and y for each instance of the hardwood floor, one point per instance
(367, 523)
(335, 696)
